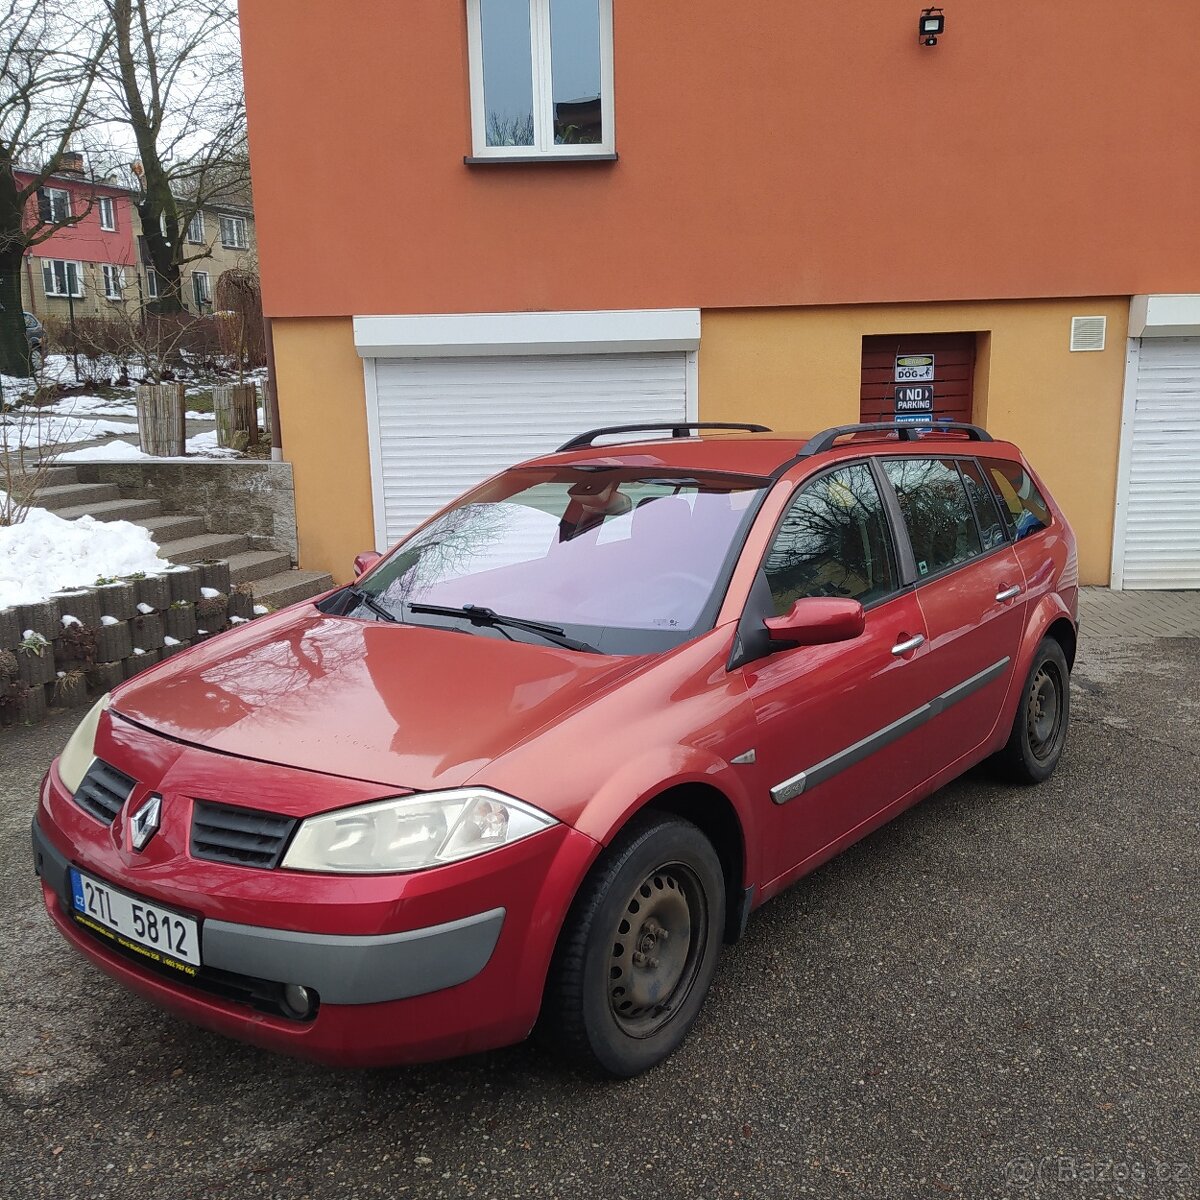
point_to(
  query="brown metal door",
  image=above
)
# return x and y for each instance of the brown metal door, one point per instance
(953, 373)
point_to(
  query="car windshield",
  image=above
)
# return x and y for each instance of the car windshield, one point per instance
(623, 559)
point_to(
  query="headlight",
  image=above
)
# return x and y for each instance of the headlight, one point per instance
(74, 761)
(411, 833)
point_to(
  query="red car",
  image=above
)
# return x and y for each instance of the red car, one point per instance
(550, 752)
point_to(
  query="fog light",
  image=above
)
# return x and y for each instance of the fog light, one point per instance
(297, 1000)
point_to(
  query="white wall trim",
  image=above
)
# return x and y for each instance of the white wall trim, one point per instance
(1167, 315)
(691, 385)
(452, 335)
(375, 450)
(1121, 512)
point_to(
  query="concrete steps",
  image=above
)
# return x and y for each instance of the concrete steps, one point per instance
(287, 587)
(183, 537)
(202, 546)
(113, 510)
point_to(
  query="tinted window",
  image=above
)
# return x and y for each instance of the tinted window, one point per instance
(937, 512)
(1020, 502)
(833, 541)
(985, 505)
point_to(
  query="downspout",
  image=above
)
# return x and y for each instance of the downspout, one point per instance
(272, 393)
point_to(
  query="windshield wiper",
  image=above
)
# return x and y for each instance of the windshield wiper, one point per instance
(365, 597)
(478, 615)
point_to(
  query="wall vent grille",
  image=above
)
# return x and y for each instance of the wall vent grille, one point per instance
(1087, 333)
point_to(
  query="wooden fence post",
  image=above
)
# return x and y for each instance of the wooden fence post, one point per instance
(160, 412)
(235, 406)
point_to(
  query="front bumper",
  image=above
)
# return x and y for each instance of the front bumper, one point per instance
(407, 968)
(344, 969)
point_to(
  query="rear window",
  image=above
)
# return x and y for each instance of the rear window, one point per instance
(1022, 505)
(937, 512)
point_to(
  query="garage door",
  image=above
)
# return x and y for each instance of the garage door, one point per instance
(1161, 543)
(444, 424)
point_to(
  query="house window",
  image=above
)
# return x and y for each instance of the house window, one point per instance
(233, 233)
(114, 281)
(200, 288)
(54, 205)
(60, 278)
(152, 283)
(541, 77)
(195, 229)
(108, 213)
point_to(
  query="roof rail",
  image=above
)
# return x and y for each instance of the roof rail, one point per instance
(907, 432)
(679, 429)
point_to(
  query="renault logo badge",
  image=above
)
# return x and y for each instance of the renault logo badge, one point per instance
(143, 825)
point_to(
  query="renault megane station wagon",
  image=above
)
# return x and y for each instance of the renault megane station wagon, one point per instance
(543, 758)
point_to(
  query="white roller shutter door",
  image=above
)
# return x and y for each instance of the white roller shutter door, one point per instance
(444, 424)
(1161, 543)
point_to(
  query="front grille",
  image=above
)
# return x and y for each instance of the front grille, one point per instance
(102, 792)
(241, 836)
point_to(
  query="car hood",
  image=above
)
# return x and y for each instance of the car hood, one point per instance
(403, 705)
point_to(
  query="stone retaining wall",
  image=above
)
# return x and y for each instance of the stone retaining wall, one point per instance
(254, 497)
(66, 650)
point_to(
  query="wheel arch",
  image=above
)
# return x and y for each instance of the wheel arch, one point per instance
(709, 809)
(1064, 633)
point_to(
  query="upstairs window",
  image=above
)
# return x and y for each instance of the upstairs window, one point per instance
(541, 78)
(54, 205)
(195, 229)
(108, 213)
(233, 233)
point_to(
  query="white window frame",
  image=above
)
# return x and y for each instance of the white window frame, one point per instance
(66, 291)
(237, 223)
(195, 236)
(543, 95)
(196, 288)
(151, 283)
(108, 213)
(65, 215)
(114, 281)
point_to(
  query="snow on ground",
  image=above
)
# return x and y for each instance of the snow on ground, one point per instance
(26, 429)
(98, 406)
(203, 445)
(45, 554)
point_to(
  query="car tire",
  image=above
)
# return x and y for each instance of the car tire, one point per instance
(37, 360)
(639, 948)
(1039, 729)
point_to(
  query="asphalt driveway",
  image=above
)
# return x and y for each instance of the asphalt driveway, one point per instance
(994, 996)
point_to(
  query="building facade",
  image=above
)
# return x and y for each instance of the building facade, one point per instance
(579, 212)
(86, 269)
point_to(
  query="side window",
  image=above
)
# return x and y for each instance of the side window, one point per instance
(937, 512)
(833, 541)
(1021, 503)
(990, 525)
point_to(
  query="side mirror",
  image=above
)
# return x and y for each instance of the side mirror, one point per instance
(817, 621)
(365, 561)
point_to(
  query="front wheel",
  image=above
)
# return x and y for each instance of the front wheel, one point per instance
(639, 948)
(1039, 729)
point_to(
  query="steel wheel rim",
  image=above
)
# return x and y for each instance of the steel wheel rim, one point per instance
(1044, 711)
(656, 949)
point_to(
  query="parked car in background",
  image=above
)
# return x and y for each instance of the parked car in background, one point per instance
(545, 756)
(36, 333)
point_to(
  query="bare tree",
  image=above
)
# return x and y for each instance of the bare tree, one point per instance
(48, 66)
(175, 71)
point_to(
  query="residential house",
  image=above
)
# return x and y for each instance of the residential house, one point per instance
(571, 213)
(86, 269)
(222, 236)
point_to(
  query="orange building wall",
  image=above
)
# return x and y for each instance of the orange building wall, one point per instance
(770, 154)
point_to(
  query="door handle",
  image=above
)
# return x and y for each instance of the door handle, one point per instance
(1009, 593)
(911, 644)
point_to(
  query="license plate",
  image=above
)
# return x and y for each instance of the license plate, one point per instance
(158, 934)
